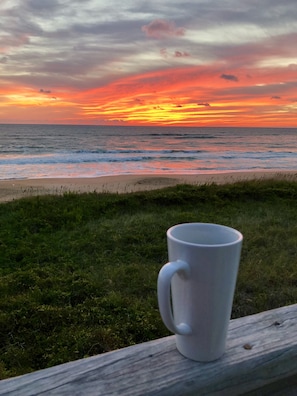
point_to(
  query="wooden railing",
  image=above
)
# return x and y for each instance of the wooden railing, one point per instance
(261, 359)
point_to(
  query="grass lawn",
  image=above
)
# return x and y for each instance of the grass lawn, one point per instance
(78, 273)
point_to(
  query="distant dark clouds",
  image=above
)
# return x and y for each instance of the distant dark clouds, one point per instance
(160, 29)
(229, 77)
(45, 91)
(175, 54)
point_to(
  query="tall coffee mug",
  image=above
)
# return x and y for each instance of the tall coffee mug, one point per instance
(196, 287)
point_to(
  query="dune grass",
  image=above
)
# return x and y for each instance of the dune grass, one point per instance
(78, 272)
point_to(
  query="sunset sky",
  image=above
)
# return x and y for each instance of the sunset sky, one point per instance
(131, 62)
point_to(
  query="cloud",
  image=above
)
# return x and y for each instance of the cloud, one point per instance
(44, 6)
(13, 40)
(292, 66)
(45, 91)
(229, 77)
(79, 53)
(162, 29)
(179, 54)
(175, 54)
(139, 101)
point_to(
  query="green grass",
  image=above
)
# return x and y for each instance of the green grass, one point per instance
(78, 273)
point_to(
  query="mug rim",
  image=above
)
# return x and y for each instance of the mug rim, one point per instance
(199, 224)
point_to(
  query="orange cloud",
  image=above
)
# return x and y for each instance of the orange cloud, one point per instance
(192, 95)
(171, 97)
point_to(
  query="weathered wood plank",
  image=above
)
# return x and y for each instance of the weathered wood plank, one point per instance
(261, 352)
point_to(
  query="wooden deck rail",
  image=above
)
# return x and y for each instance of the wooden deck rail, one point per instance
(261, 359)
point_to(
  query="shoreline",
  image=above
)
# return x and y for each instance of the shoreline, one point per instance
(15, 189)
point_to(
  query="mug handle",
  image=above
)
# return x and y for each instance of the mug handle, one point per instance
(164, 282)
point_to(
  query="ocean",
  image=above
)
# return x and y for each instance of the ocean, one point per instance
(65, 151)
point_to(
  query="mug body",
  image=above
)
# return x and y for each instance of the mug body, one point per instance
(203, 300)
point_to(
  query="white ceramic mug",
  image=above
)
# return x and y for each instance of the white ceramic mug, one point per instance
(198, 285)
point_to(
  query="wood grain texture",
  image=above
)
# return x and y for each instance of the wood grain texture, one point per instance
(261, 354)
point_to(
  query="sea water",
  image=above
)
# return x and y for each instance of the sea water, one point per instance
(62, 151)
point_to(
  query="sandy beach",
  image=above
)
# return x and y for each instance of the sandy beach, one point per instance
(15, 189)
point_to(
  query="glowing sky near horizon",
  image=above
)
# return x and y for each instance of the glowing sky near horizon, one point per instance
(190, 63)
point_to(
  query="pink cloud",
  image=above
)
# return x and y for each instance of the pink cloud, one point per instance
(160, 29)
(179, 54)
(11, 41)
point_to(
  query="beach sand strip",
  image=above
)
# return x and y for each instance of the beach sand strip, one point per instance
(15, 189)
